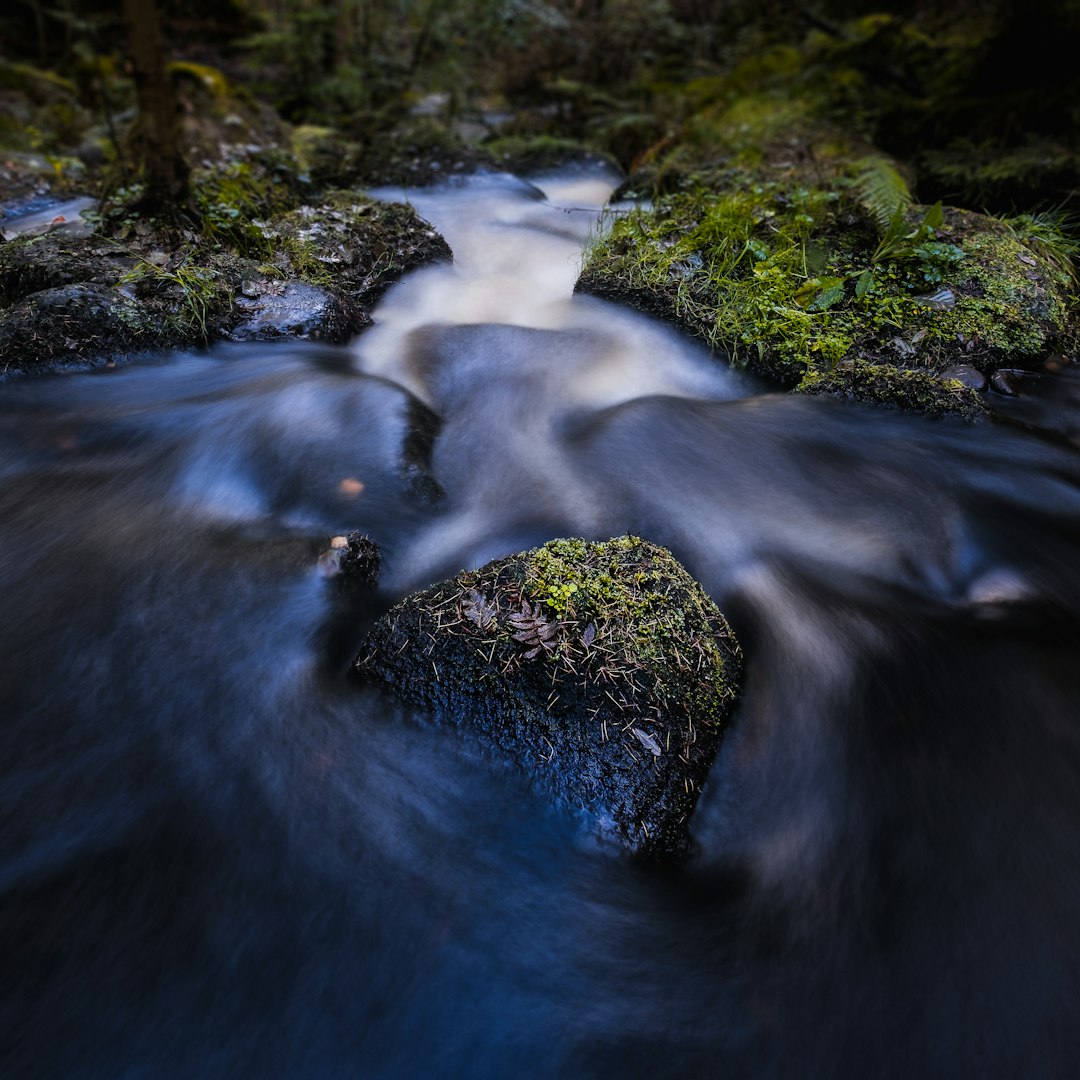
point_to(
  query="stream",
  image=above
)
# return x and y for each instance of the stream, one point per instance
(220, 858)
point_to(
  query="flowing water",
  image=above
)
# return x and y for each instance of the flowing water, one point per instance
(220, 858)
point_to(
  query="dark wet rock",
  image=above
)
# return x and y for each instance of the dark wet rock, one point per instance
(157, 288)
(29, 264)
(600, 669)
(351, 564)
(358, 245)
(1011, 381)
(74, 324)
(964, 374)
(358, 562)
(422, 427)
(277, 309)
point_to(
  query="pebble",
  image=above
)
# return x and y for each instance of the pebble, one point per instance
(966, 374)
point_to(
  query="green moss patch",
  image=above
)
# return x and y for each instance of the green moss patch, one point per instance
(799, 282)
(602, 669)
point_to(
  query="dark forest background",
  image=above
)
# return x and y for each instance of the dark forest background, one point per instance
(979, 100)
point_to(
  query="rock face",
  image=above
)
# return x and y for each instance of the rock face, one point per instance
(601, 669)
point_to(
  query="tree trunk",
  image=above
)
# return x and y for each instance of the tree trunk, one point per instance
(344, 34)
(165, 169)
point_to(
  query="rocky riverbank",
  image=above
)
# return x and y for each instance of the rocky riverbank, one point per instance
(800, 254)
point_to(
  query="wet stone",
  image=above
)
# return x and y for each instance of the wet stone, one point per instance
(73, 323)
(356, 561)
(296, 309)
(32, 264)
(964, 373)
(1010, 381)
(602, 670)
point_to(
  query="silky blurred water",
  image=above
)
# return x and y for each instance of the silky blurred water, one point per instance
(220, 858)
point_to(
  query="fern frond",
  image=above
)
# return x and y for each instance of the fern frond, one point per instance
(881, 190)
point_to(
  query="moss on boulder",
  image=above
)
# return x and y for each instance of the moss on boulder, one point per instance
(785, 237)
(74, 324)
(358, 245)
(601, 669)
(798, 253)
(311, 272)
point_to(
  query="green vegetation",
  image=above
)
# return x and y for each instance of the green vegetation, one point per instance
(793, 281)
(198, 294)
(620, 608)
(797, 250)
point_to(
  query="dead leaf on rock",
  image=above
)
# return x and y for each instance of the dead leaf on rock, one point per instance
(477, 609)
(533, 629)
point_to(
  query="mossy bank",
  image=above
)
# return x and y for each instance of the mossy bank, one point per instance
(797, 284)
(313, 271)
(601, 669)
(795, 248)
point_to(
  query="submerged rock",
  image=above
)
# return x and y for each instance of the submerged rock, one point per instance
(352, 562)
(351, 566)
(601, 669)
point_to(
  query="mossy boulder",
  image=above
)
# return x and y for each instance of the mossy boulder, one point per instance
(601, 669)
(793, 278)
(358, 245)
(74, 324)
(785, 237)
(312, 272)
